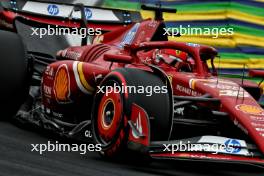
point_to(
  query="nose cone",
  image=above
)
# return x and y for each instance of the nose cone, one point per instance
(243, 109)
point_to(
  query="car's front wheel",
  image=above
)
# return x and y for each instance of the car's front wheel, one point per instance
(112, 108)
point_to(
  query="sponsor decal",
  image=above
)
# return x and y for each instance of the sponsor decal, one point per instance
(88, 13)
(88, 134)
(257, 124)
(49, 71)
(222, 86)
(81, 81)
(73, 55)
(255, 118)
(250, 109)
(260, 129)
(234, 93)
(226, 88)
(129, 37)
(232, 146)
(226, 145)
(64, 11)
(214, 83)
(188, 91)
(193, 44)
(62, 84)
(210, 144)
(53, 9)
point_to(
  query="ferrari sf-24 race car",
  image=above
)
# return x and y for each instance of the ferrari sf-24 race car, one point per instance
(189, 103)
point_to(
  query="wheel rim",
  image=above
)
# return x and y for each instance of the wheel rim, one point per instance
(109, 116)
(108, 113)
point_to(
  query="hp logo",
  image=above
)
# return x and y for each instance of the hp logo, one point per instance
(88, 13)
(232, 146)
(53, 9)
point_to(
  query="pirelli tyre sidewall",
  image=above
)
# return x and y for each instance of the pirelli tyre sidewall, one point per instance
(112, 135)
(157, 106)
(13, 73)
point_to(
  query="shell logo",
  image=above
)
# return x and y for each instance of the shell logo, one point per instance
(62, 84)
(250, 109)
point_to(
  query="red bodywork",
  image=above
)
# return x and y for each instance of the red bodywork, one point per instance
(8, 16)
(81, 70)
(94, 62)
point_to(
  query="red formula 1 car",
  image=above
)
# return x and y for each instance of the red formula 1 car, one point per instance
(133, 89)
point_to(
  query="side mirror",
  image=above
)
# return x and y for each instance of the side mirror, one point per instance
(118, 58)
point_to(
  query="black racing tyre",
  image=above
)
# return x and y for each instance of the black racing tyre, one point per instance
(108, 121)
(112, 134)
(13, 73)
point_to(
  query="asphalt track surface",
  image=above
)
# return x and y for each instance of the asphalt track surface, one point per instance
(16, 158)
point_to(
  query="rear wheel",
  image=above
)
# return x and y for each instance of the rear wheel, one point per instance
(13, 73)
(111, 111)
